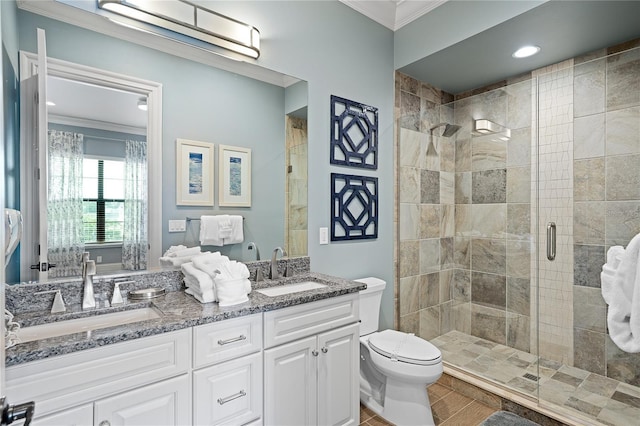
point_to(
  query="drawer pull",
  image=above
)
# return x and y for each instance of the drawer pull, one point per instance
(223, 401)
(235, 339)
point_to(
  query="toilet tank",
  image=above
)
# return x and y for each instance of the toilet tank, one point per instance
(370, 299)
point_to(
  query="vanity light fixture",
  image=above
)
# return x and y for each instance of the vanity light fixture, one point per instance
(192, 20)
(142, 104)
(526, 51)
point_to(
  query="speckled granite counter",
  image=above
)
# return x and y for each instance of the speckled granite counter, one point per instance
(179, 311)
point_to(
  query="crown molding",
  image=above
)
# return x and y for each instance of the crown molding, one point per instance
(393, 14)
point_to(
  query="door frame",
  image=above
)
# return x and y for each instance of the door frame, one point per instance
(82, 73)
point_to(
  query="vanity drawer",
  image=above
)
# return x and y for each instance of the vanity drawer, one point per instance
(228, 393)
(225, 340)
(70, 380)
(289, 324)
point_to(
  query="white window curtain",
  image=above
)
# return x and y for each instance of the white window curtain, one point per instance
(135, 244)
(64, 203)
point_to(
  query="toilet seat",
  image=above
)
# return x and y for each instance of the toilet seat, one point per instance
(405, 347)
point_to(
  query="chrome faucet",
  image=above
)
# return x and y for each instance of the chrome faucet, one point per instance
(273, 274)
(88, 271)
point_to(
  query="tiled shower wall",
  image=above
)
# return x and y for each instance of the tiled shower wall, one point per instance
(465, 241)
(296, 186)
(606, 196)
(464, 253)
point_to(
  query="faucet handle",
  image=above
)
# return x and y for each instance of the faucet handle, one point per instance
(116, 299)
(58, 303)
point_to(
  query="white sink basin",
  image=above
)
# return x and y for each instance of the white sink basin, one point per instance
(79, 325)
(279, 290)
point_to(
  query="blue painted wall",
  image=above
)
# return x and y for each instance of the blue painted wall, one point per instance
(335, 49)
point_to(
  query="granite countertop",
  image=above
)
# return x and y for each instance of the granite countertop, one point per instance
(179, 311)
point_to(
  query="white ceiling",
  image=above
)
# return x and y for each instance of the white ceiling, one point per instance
(105, 108)
(393, 14)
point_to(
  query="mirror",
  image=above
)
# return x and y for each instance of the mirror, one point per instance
(208, 104)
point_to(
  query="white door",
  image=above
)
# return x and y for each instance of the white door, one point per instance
(33, 148)
(290, 384)
(339, 376)
(43, 128)
(164, 403)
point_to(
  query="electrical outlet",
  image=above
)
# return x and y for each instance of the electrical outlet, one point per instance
(177, 225)
(324, 235)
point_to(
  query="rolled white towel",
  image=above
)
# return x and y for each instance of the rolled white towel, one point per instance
(192, 251)
(234, 270)
(210, 262)
(231, 292)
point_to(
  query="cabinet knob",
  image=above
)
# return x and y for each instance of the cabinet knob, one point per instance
(105, 423)
(325, 350)
(314, 352)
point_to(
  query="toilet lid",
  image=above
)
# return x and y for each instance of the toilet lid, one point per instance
(404, 347)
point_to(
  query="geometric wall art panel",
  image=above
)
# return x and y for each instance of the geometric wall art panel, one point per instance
(354, 134)
(354, 207)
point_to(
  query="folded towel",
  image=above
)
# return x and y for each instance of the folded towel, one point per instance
(236, 233)
(210, 230)
(174, 262)
(620, 280)
(205, 296)
(173, 249)
(224, 226)
(185, 252)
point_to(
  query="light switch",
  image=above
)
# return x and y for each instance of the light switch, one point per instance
(324, 235)
(177, 225)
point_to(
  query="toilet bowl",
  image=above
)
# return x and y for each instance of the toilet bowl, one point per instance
(395, 367)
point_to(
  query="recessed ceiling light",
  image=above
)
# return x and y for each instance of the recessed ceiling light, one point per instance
(142, 104)
(526, 51)
(50, 103)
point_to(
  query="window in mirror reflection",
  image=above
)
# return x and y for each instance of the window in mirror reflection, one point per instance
(103, 200)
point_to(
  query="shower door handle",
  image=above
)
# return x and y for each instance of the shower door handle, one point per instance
(551, 241)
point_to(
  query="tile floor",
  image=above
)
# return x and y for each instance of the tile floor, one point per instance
(449, 408)
(600, 398)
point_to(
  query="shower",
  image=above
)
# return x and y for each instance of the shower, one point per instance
(449, 129)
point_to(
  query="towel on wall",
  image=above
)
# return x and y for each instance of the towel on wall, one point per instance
(620, 282)
(220, 230)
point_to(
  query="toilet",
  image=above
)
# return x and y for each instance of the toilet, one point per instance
(395, 367)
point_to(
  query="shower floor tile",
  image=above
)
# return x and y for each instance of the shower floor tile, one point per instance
(599, 398)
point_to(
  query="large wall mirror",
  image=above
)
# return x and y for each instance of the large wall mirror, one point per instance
(198, 102)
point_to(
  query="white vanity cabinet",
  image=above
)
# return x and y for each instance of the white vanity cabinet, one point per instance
(142, 382)
(311, 363)
(227, 376)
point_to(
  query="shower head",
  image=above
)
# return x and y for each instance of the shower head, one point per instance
(449, 129)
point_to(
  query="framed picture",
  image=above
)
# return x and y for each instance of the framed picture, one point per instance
(194, 173)
(234, 176)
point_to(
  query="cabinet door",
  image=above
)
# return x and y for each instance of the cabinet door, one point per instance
(290, 395)
(339, 376)
(79, 416)
(229, 393)
(164, 403)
